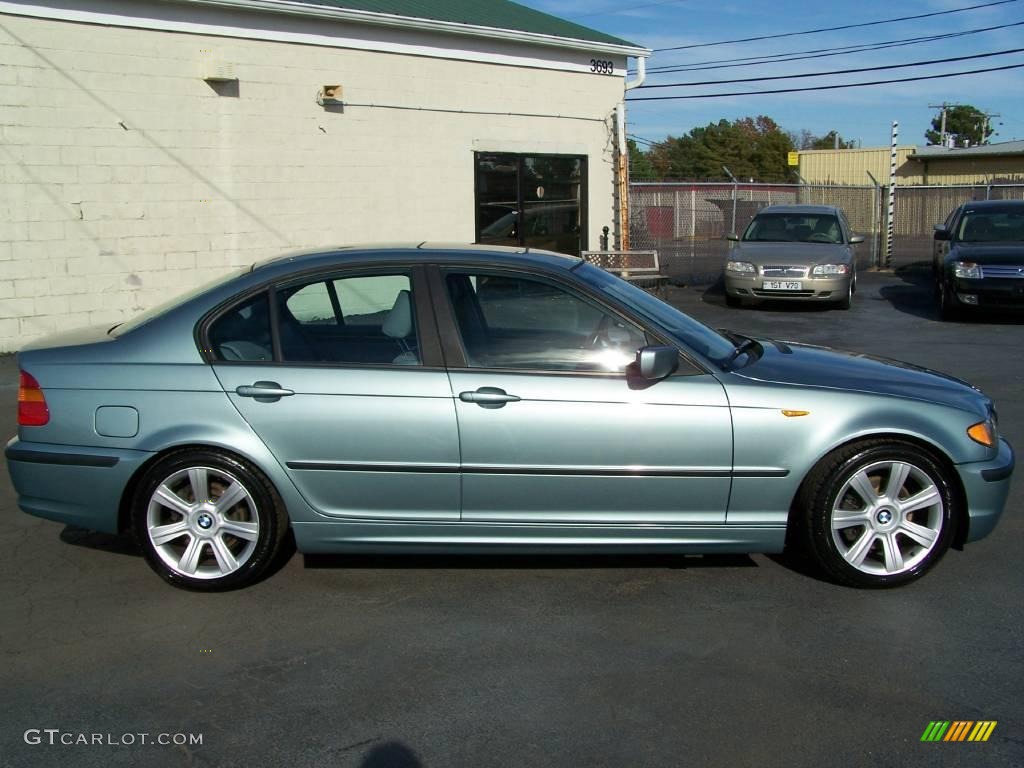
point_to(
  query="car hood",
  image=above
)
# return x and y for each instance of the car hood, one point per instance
(806, 365)
(980, 253)
(789, 253)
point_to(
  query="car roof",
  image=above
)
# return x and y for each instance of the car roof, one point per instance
(982, 204)
(415, 252)
(799, 209)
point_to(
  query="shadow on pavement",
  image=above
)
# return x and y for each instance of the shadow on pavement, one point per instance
(523, 562)
(391, 754)
(915, 296)
(123, 544)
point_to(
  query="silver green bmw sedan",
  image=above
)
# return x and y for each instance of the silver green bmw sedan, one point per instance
(463, 399)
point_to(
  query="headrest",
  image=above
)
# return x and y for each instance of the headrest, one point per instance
(398, 323)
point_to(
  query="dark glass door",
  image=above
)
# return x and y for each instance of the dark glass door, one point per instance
(534, 201)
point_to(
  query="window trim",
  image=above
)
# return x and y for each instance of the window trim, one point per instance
(431, 357)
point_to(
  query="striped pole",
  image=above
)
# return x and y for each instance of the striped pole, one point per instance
(891, 229)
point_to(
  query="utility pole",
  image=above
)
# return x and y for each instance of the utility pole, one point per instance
(988, 120)
(942, 130)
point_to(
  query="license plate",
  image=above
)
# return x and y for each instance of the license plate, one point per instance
(782, 285)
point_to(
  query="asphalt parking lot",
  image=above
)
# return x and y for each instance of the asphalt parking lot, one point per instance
(558, 661)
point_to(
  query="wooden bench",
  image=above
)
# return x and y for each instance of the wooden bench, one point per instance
(638, 267)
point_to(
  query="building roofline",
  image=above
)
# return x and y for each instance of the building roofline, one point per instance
(295, 8)
(938, 152)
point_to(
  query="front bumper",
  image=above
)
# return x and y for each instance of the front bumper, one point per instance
(71, 484)
(811, 288)
(990, 293)
(986, 485)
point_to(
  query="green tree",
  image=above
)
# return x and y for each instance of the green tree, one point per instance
(751, 147)
(828, 141)
(640, 166)
(967, 126)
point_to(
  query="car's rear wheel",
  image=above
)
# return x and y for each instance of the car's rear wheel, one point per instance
(878, 513)
(208, 521)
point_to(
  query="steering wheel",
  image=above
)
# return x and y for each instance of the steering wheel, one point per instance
(819, 237)
(599, 337)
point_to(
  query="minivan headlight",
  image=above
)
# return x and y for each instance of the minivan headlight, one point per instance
(830, 269)
(744, 267)
(966, 269)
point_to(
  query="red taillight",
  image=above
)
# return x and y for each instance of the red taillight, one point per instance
(32, 409)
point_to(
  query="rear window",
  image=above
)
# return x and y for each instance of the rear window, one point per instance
(177, 301)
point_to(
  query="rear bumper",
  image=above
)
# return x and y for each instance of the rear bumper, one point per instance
(987, 484)
(71, 484)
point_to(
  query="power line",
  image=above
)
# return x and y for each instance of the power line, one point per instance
(820, 53)
(613, 11)
(835, 29)
(839, 71)
(642, 140)
(825, 87)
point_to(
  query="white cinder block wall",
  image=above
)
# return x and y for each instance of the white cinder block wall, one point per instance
(125, 177)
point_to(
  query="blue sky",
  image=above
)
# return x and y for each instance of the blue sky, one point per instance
(863, 114)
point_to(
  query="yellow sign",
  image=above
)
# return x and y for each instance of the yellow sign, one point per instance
(794, 158)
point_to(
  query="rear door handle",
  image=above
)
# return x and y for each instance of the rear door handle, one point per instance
(264, 391)
(488, 397)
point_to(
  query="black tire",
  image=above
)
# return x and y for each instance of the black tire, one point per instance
(733, 301)
(261, 508)
(847, 301)
(949, 309)
(819, 501)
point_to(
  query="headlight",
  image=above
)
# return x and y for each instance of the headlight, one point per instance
(983, 432)
(830, 269)
(966, 269)
(740, 266)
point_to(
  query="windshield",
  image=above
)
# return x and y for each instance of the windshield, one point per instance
(687, 331)
(177, 301)
(992, 225)
(794, 228)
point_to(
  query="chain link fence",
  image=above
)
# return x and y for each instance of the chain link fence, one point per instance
(686, 222)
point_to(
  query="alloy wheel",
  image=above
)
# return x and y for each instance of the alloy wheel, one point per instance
(202, 522)
(887, 518)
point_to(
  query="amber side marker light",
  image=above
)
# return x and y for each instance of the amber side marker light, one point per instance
(793, 414)
(32, 408)
(983, 433)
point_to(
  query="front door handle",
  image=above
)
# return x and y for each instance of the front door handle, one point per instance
(264, 391)
(488, 397)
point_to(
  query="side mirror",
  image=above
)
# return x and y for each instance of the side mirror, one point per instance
(655, 363)
(941, 233)
(856, 239)
(733, 237)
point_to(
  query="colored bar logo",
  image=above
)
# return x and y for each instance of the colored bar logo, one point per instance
(958, 730)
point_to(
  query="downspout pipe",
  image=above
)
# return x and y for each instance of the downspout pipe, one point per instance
(622, 166)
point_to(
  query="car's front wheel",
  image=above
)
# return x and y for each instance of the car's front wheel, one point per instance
(847, 301)
(206, 520)
(877, 513)
(949, 308)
